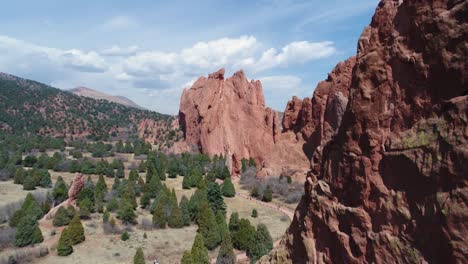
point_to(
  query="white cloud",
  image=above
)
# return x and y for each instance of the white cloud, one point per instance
(119, 51)
(119, 23)
(279, 88)
(130, 70)
(79, 60)
(293, 53)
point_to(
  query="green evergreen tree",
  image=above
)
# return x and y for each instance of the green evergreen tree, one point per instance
(145, 200)
(254, 213)
(139, 257)
(86, 208)
(175, 219)
(262, 243)
(187, 258)
(60, 191)
(62, 217)
(184, 207)
(29, 183)
(199, 252)
(105, 216)
(126, 212)
(30, 208)
(242, 238)
(76, 230)
(120, 172)
(186, 182)
(28, 232)
(101, 184)
(159, 215)
(112, 205)
(64, 247)
(228, 188)
(215, 198)
(208, 227)
(267, 194)
(125, 236)
(142, 166)
(226, 252)
(133, 176)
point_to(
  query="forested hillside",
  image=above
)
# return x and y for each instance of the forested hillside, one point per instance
(29, 108)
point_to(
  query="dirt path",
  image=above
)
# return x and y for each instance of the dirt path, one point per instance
(242, 257)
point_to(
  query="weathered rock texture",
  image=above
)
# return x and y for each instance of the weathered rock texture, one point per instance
(391, 186)
(316, 120)
(77, 185)
(229, 118)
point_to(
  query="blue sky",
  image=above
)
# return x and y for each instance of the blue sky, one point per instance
(149, 51)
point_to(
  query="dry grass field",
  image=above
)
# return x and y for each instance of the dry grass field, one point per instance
(166, 245)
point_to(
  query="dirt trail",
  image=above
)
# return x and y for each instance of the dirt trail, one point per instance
(242, 257)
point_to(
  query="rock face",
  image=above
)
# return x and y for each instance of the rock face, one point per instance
(391, 186)
(316, 120)
(75, 188)
(228, 117)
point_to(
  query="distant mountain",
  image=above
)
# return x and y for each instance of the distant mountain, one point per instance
(32, 108)
(88, 92)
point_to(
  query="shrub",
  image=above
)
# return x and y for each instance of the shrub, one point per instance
(228, 188)
(76, 230)
(126, 213)
(125, 236)
(199, 252)
(64, 247)
(254, 213)
(62, 217)
(187, 258)
(267, 195)
(139, 257)
(28, 232)
(226, 252)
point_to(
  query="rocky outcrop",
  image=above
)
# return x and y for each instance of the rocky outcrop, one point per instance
(77, 185)
(391, 186)
(317, 119)
(229, 118)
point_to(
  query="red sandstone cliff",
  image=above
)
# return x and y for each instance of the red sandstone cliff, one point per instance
(391, 186)
(316, 120)
(228, 117)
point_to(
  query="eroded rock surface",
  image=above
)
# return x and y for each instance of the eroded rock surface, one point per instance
(77, 185)
(229, 118)
(391, 186)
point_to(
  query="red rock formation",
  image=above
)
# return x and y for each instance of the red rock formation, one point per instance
(228, 117)
(391, 186)
(75, 188)
(316, 120)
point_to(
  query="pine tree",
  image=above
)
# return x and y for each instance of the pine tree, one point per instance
(199, 252)
(125, 236)
(186, 182)
(64, 247)
(215, 198)
(254, 213)
(187, 258)
(145, 200)
(267, 194)
(261, 244)
(242, 238)
(139, 257)
(184, 207)
(159, 215)
(76, 230)
(126, 213)
(133, 176)
(86, 208)
(142, 166)
(234, 222)
(228, 188)
(62, 217)
(60, 192)
(208, 227)
(120, 172)
(29, 208)
(28, 232)
(226, 252)
(101, 184)
(175, 219)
